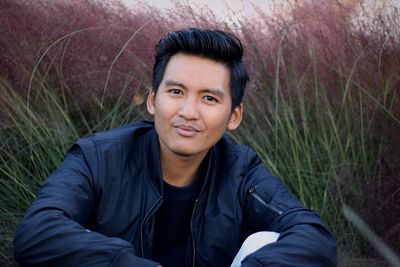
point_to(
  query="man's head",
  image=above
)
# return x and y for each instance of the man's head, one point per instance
(198, 85)
(216, 45)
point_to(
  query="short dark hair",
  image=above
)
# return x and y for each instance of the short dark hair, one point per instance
(212, 44)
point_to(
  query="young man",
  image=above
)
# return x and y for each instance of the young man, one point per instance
(176, 191)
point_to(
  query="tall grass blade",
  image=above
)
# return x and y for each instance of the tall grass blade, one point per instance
(372, 237)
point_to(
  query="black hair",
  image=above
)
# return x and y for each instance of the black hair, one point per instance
(212, 44)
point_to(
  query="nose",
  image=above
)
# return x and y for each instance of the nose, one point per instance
(188, 109)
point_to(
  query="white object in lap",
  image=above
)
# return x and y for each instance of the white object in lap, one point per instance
(252, 243)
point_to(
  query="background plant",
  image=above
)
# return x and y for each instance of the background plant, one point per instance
(322, 107)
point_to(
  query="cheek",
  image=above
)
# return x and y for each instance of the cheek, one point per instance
(161, 109)
(219, 118)
(218, 124)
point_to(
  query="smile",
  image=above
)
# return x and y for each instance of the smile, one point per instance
(186, 130)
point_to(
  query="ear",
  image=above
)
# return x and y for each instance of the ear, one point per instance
(150, 102)
(236, 117)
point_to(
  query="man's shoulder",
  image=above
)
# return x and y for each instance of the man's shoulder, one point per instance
(124, 139)
(123, 143)
(129, 133)
(230, 149)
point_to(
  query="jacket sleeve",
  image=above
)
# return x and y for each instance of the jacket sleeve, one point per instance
(52, 232)
(304, 240)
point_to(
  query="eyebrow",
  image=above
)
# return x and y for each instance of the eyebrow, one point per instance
(174, 83)
(215, 91)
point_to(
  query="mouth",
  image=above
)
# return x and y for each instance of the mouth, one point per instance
(186, 130)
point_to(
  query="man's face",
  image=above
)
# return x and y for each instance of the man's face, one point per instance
(192, 108)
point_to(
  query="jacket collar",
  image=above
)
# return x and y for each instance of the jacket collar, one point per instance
(151, 156)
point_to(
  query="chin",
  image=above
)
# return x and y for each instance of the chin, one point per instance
(182, 154)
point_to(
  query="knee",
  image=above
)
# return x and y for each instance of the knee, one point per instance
(260, 239)
(253, 243)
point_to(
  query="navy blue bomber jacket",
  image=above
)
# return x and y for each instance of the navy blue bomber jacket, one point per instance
(98, 209)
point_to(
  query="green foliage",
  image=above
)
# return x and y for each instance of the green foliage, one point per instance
(35, 138)
(325, 149)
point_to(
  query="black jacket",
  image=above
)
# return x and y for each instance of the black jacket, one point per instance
(98, 209)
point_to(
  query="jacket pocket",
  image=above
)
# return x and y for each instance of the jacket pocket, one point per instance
(259, 199)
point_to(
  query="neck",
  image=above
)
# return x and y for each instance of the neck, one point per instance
(180, 170)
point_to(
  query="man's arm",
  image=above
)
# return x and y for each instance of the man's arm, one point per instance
(52, 232)
(304, 240)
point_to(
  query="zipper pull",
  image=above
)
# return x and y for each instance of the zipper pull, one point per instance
(252, 188)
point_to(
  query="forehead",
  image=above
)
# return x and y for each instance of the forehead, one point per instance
(197, 71)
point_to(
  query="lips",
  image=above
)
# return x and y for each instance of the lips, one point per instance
(186, 130)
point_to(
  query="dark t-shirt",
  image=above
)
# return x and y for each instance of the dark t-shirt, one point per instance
(172, 225)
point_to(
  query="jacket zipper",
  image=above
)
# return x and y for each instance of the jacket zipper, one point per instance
(253, 192)
(144, 221)
(191, 230)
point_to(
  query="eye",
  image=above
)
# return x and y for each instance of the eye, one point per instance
(209, 98)
(175, 92)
